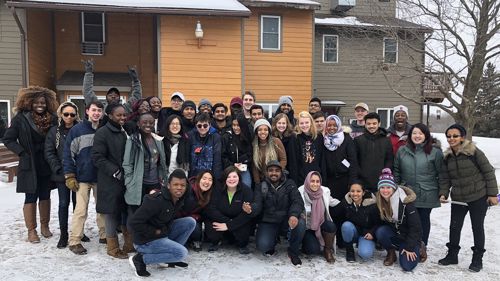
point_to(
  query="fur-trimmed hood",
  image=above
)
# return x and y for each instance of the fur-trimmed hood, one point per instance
(467, 148)
(25, 97)
(410, 194)
(366, 201)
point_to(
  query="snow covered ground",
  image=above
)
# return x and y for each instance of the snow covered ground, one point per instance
(20, 260)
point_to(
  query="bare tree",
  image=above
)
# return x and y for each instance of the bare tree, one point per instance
(466, 36)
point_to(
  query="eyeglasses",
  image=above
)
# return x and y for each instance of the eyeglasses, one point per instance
(204, 126)
(453, 136)
(66, 114)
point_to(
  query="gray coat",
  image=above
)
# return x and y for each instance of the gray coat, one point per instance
(468, 174)
(420, 172)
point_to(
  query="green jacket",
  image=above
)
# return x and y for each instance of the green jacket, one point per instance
(468, 179)
(133, 167)
(420, 172)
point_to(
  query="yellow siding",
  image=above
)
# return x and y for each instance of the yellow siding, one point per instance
(288, 72)
(212, 71)
(40, 48)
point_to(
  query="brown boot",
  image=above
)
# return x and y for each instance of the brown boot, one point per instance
(114, 249)
(391, 257)
(423, 252)
(128, 246)
(44, 208)
(29, 211)
(328, 249)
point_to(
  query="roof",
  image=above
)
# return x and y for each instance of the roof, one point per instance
(370, 22)
(183, 7)
(73, 81)
(297, 4)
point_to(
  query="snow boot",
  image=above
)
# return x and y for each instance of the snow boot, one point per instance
(328, 249)
(390, 259)
(114, 248)
(423, 252)
(477, 259)
(349, 253)
(44, 208)
(29, 211)
(63, 240)
(128, 245)
(451, 256)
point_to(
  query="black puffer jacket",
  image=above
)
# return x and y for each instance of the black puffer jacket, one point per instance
(54, 147)
(107, 154)
(374, 154)
(156, 213)
(364, 217)
(235, 151)
(220, 210)
(334, 166)
(277, 204)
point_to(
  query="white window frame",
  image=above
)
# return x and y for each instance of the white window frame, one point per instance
(397, 49)
(337, 48)
(390, 113)
(269, 108)
(262, 33)
(8, 112)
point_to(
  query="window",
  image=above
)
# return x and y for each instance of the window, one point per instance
(330, 47)
(385, 116)
(390, 50)
(269, 109)
(4, 116)
(270, 33)
(93, 33)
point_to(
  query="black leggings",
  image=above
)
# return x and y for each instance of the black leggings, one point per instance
(477, 211)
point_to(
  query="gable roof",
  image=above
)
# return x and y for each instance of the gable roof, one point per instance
(297, 4)
(370, 23)
(183, 7)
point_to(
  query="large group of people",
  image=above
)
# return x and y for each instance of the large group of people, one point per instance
(173, 178)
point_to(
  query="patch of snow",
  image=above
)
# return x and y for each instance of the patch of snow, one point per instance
(350, 21)
(304, 2)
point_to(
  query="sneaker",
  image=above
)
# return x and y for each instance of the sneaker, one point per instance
(85, 238)
(214, 247)
(244, 250)
(196, 246)
(178, 264)
(138, 264)
(270, 253)
(295, 260)
(78, 249)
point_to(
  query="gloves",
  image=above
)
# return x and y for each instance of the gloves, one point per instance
(132, 71)
(89, 65)
(71, 182)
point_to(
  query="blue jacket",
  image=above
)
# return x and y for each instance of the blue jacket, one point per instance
(205, 155)
(76, 156)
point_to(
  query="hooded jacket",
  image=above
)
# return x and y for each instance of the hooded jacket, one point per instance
(365, 217)
(468, 174)
(374, 153)
(396, 140)
(356, 130)
(205, 154)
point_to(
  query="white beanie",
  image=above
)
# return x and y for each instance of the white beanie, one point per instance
(401, 108)
(285, 99)
(262, 122)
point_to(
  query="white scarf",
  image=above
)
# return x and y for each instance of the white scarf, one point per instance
(399, 195)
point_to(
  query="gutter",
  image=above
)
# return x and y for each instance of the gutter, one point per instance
(23, 47)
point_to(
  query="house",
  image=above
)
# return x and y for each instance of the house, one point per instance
(264, 46)
(362, 52)
(11, 74)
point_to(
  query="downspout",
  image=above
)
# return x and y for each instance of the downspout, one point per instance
(242, 27)
(158, 55)
(23, 47)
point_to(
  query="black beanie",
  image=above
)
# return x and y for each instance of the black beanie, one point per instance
(188, 103)
(459, 127)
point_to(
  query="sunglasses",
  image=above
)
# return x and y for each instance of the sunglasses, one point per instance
(204, 126)
(453, 136)
(66, 114)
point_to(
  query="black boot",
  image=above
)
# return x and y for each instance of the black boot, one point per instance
(63, 240)
(349, 253)
(477, 259)
(451, 256)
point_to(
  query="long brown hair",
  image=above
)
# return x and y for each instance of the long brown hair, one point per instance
(26, 97)
(289, 128)
(384, 208)
(203, 196)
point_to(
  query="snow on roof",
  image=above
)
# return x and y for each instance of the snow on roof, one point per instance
(352, 21)
(222, 5)
(304, 2)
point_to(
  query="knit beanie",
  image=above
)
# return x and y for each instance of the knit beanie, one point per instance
(188, 103)
(387, 179)
(285, 99)
(204, 102)
(401, 108)
(459, 127)
(262, 122)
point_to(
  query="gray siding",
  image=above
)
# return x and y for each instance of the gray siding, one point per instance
(373, 8)
(10, 55)
(358, 77)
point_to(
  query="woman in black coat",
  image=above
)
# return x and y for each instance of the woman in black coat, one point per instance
(54, 146)
(107, 154)
(225, 213)
(36, 108)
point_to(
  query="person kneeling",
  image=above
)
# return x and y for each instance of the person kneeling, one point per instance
(158, 237)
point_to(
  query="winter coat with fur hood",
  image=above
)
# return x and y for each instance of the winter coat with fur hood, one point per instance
(467, 173)
(365, 217)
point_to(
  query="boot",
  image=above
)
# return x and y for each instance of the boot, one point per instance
(451, 256)
(477, 259)
(349, 253)
(423, 252)
(63, 240)
(29, 211)
(114, 248)
(328, 249)
(128, 246)
(391, 257)
(44, 208)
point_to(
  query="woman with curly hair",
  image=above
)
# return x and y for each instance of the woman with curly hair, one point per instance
(36, 108)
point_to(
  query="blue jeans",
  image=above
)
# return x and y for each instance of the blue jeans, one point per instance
(246, 178)
(310, 243)
(350, 235)
(171, 248)
(388, 239)
(64, 197)
(267, 235)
